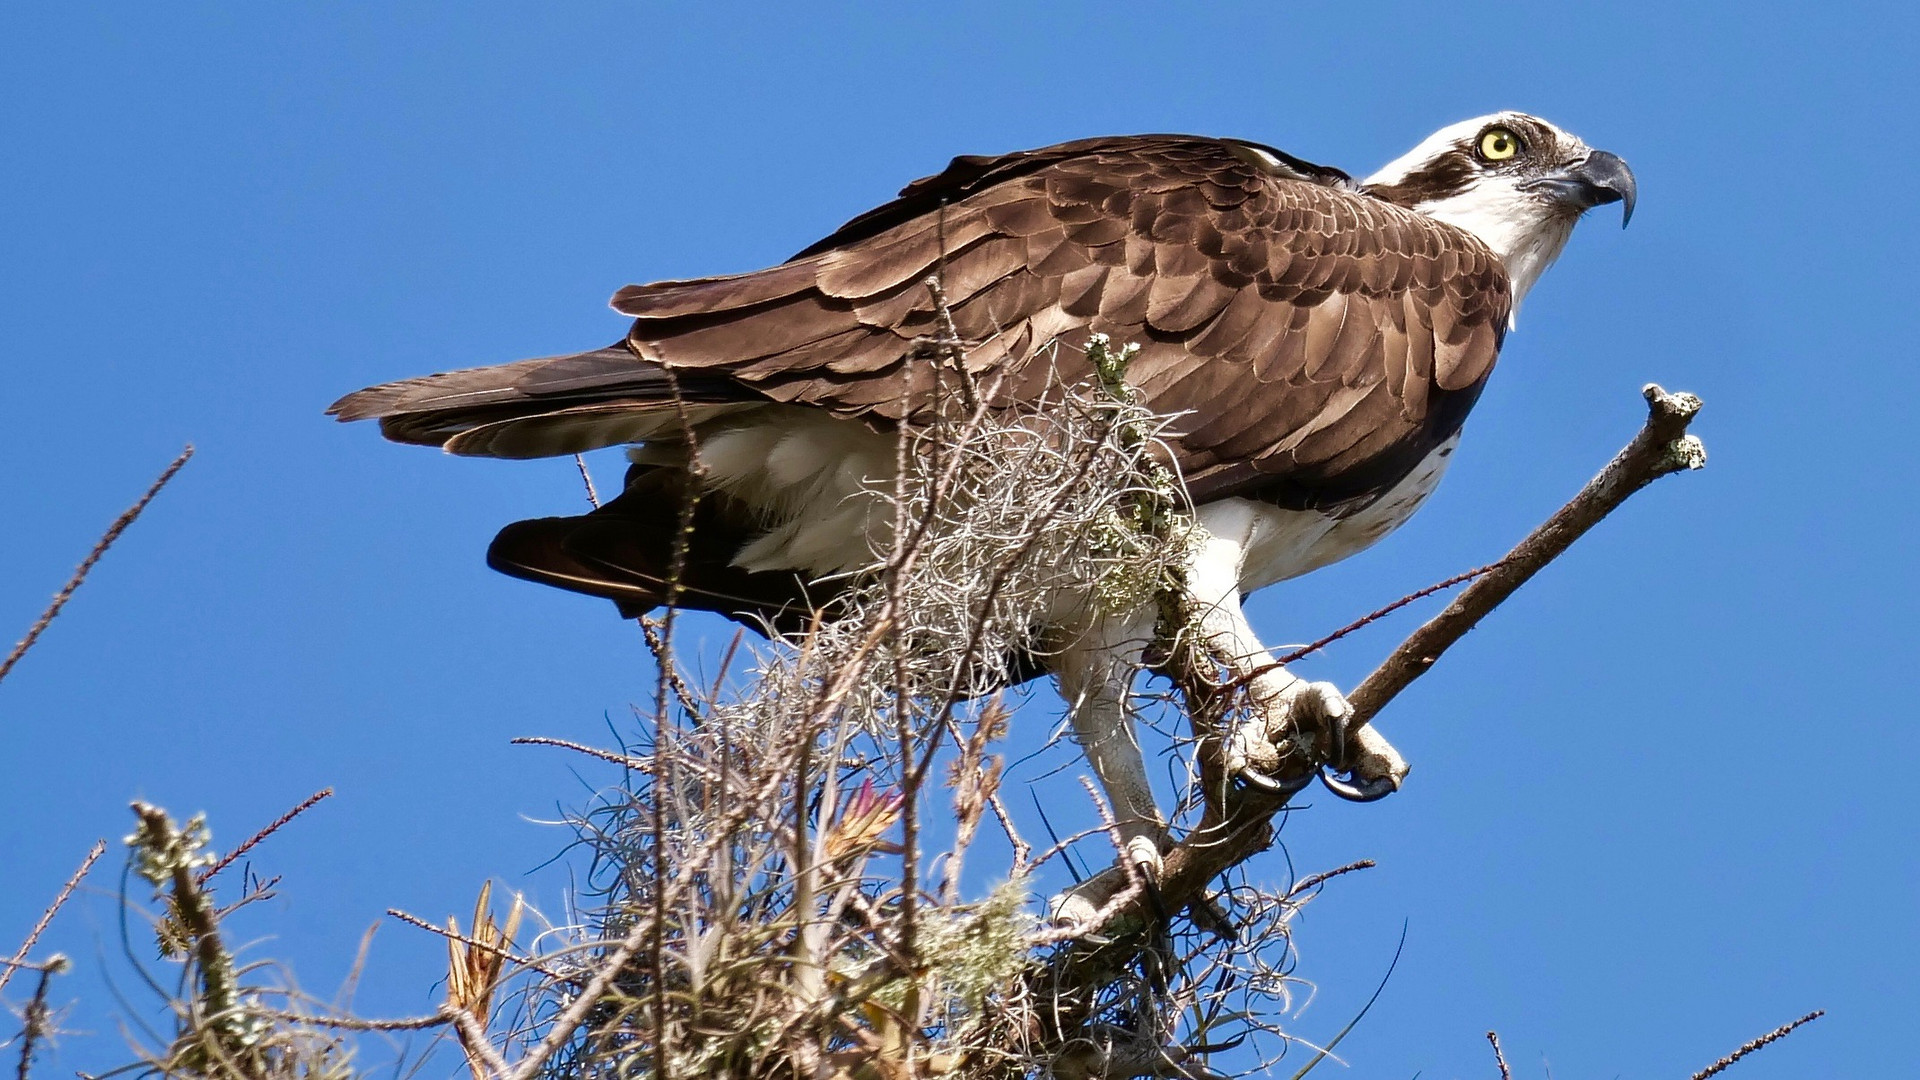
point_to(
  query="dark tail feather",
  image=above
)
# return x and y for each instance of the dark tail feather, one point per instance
(581, 389)
(623, 552)
(499, 384)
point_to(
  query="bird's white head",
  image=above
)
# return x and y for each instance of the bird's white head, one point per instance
(1513, 180)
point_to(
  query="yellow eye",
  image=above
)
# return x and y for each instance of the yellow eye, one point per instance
(1498, 144)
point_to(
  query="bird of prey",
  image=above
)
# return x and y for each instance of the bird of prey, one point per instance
(1320, 340)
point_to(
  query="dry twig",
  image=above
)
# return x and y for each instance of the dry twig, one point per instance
(1661, 447)
(1775, 1035)
(586, 478)
(39, 1017)
(1499, 1058)
(1313, 881)
(46, 917)
(252, 841)
(86, 565)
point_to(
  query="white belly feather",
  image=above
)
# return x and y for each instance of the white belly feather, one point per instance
(1287, 543)
(820, 481)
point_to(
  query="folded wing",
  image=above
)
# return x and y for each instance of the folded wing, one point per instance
(1318, 341)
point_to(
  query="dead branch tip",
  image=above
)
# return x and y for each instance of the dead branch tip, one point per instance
(1773, 1036)
(86, 565)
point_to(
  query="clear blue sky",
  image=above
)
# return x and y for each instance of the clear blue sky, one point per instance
(1659, 802)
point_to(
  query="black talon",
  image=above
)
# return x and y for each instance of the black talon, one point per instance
(1270, 785)
(1357, 791)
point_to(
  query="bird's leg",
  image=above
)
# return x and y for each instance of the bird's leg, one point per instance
(1096, 670)
(1286, 715)
(1096, 677)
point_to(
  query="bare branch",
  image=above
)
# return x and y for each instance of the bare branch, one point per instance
(453, 935)
(46, 917)
(625, 761)
(355, 1023)
(1314, 881)
(39, 1018)
(86, 565)
(1775, 1035)
(669, 671)
(593, 493)
(278, 823)
(1499, 1058)
(1662, 447)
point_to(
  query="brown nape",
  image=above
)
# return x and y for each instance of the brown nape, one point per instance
(624, 552)
(1449, 174)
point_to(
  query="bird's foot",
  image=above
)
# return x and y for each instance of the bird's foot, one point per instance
(1081, 905)
(1289, 716)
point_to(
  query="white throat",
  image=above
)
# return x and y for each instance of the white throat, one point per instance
(1525, 231)
(1526, 236)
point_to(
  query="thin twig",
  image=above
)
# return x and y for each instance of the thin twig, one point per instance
(505, 954)
(39, 1018)
(1499, 1058)
(86, 565)
(59, 901)
(593, 493)
(1314, 881)
(624, 760)
(1359, 624)
(1376, 616)
(1775, 1035)
(657, 645)
(662, 649)
(305, 804)
(354, 1023)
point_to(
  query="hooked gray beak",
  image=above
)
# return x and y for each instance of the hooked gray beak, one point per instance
(1598, 179)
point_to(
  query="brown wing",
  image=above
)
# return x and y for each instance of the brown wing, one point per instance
(1321, 340)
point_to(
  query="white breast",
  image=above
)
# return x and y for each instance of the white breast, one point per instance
(1287, 543)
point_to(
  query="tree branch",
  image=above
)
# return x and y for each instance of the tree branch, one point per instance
(8, 967)
(1662, 447)
(1773, 1036)
(86, 565)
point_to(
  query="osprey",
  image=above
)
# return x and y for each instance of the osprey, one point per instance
(1320, 340)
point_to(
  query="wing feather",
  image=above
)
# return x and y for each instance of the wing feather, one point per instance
(1320, 340)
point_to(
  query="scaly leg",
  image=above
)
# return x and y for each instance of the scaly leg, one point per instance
(1288, 714)
(1096, 677)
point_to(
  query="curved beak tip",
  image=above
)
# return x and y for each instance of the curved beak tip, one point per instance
(1607, 179)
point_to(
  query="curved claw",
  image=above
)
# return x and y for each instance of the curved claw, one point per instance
(1362, 791)
(1268, 784)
